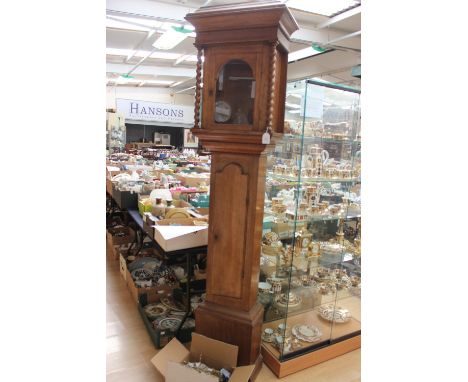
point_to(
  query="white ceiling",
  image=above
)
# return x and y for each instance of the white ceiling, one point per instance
(129, 44)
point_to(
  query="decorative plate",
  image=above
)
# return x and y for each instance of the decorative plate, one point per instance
(288, 301)
(167, 323)
(154, 311)
(142, 274)
(337, 314)
(172, 304)
(307, 333)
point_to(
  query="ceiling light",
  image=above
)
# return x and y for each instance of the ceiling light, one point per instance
(159, 82)
(176, 84)
(119, 52)
(132, 23)
(326, 8)
(172, 37)
(122, 79)
(183, 57)
(141, 53)
(303, 53)
(193, 58)
(292, 105)
(165, 55)
(112, 23)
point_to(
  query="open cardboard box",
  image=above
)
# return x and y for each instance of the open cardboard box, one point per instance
(160, 338)
(193, 180)
(215, 354)
(175, 234)
(136, 292)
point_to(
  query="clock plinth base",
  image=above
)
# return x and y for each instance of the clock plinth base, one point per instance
(240, 328)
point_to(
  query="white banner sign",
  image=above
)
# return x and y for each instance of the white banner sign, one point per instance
(152, 111)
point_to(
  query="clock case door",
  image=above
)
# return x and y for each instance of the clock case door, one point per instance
(257, 57)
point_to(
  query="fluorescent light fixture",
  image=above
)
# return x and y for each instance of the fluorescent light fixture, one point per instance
(141, 53)
(169, 39)
(183, 57)
(303, 53)
(294, 95)
(118, 52)
(325, 7)
(111, 23)
(133, 23)
(292, 105)
(193, 58)
(183, 90)
(176, 84)
(295, 111)
(123, 81)
(165, 55)
(159, 82)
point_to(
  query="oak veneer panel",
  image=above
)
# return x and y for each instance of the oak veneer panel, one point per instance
(282, 369)
(229, 242)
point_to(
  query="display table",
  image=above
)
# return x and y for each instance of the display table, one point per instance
(188, 252)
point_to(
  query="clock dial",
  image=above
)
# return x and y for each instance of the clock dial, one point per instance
(305, 242)
(222, 111)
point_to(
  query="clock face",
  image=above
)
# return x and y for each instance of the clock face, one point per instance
(222, 111)
(305, 242)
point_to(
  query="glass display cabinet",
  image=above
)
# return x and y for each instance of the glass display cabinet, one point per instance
(310, 275)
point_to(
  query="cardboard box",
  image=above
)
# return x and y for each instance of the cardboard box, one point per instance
(200, 212)
(177, 203)
(123, 267)
(113, 239)
(216, 354)
(117, 250)
(175, 234)
(193, 180)
(119, 243)
(136, 292)
(160, 338)
(109, 186)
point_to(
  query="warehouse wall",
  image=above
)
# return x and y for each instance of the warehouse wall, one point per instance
(161, 95)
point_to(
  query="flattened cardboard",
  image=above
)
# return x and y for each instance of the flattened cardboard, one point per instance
(174, 351)
(214, 353)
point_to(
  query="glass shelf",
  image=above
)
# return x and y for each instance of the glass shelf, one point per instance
(298, 138)
(293, 180)
(312, 218)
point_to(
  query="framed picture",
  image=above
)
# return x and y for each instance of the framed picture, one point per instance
(190, 140)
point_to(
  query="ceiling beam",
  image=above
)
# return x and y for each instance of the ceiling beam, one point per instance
(309, 36)
(147, 9)
(340, 17)
(345, 37)
(151, 70)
